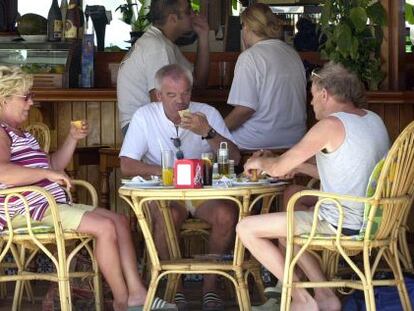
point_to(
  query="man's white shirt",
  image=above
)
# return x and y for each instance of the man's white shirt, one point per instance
(136, 76)
(150, 131)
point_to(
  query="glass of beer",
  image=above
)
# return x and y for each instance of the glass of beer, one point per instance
(167, 162)
(208, 159)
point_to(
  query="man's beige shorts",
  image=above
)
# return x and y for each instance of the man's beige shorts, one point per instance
(304, 220)
(70, 215)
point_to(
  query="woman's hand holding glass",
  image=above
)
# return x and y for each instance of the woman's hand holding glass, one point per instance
(79, 129)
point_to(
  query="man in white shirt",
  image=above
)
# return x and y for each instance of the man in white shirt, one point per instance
(158, 126)
(155, 49)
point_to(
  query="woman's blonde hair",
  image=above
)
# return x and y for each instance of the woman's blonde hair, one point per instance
(261, 21)
(14, 81)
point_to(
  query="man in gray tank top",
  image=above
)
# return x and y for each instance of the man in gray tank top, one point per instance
(347, 142)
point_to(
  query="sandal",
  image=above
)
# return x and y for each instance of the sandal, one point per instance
(181, 302)
(157, 304)
(212, 302)
(271, 304)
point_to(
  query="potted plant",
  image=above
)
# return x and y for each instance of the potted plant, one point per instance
(354, 34)
(135, 15)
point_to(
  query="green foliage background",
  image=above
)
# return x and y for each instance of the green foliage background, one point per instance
(354, 34)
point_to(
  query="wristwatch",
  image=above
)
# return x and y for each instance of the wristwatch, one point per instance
(211, 134)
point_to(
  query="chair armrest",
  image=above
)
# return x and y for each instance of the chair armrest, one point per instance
(322, 196)
(17, 192)
(88, 186)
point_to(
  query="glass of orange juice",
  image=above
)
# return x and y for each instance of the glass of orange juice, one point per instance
(167, 162)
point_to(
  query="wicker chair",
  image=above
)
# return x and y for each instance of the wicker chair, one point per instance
(386, 210)
(42, 133)
(53, 242)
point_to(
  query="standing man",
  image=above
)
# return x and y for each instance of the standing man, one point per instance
(158, 126)
(347, 141)
(155, 49)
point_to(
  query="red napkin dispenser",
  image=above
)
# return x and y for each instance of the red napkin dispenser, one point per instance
(188, 173)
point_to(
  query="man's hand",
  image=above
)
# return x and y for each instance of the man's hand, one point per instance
(58, 177)
(79, 129)
(200, 26)
(196, 123)
(253, 163)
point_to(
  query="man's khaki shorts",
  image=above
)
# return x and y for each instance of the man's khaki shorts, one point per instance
(303, 224)
(70, 215)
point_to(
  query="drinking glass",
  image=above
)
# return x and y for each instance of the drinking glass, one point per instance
(167, 162)
(208, 159)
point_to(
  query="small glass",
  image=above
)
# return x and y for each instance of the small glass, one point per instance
(254, 176)
(167, 163)
(208, 159)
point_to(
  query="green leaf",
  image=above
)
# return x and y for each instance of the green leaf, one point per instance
(354, 48)
(377, 15)
(409, 14)
(234, 4)
(343, 35)
(359, 18)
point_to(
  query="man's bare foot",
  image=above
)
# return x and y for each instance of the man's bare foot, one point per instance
(308, 305)
(331, 303)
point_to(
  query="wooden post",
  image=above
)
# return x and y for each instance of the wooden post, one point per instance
(393, 46)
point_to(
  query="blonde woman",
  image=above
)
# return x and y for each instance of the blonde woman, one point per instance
(22, 162)
(269, 86)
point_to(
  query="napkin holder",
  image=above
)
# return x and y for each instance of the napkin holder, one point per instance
(188, 173)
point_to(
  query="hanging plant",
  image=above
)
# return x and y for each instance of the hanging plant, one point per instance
(354, 34)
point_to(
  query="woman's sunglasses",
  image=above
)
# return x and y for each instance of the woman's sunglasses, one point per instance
(26, 97)
(177, 144)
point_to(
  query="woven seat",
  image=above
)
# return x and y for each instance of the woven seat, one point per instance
(58, 245)
(386, 210)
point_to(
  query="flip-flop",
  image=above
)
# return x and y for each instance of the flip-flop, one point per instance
(212, 302)
(157, 304)
(181, 302)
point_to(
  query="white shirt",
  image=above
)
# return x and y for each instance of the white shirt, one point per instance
(270, 78)
(136, 76)
(150, 131)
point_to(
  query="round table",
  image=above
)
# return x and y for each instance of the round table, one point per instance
(235, 270)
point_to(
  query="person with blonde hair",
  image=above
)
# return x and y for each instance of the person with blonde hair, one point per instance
(22, 162)
(269, 86)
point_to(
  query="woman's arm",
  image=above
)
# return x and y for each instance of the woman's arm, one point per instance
(16, 175)
(61, 158)
(238, 116)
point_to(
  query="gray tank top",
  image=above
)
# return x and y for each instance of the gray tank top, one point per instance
(347, 169)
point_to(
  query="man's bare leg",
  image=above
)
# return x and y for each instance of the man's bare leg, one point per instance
(222, 216)
(179, 215)
(256, 232)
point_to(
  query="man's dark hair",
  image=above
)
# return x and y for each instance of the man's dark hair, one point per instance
(160, 9)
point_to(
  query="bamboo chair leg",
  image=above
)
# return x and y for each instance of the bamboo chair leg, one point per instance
(405, 251)
(172, 284)
(394, 262)
(17, 301)
(64, 295)
(152, 288)
(97, 283)
(243, 293)
(368, 286)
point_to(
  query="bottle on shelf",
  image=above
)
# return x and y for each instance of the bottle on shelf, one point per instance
(54, 23)
(63, 11)
(72, 22)
(81, 19)
(88, 52)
